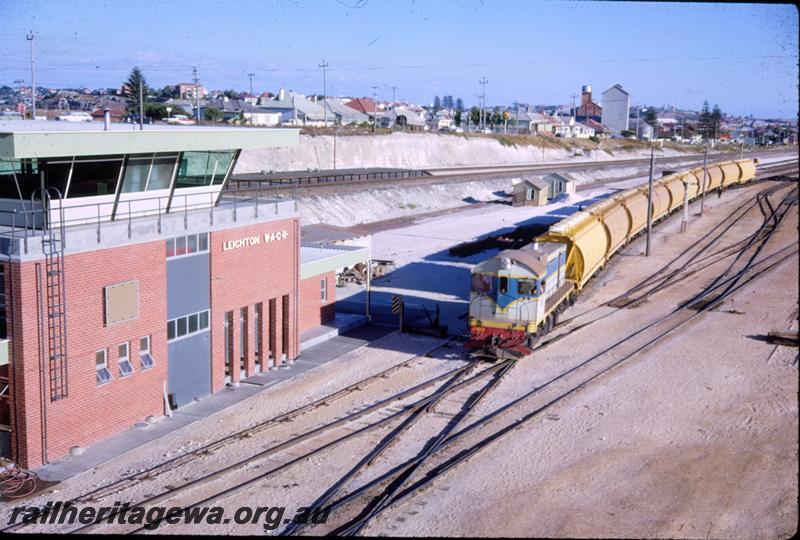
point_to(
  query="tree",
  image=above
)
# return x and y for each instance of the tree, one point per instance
(495, 118)
(459, 104)
(158, 111)
(167, 92)
(705, 120)
(457, 118)
(437, 103)
(475, 115)
(651, 117)
(447, 102)
(231, 94)
(131, 89)
(212, 114)
(714, 121)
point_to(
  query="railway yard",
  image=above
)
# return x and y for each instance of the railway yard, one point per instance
(377, 269)
(660, 405)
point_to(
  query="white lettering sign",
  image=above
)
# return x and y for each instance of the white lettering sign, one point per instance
(254, 240)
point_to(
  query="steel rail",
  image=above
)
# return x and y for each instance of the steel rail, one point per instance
(280, 446)
(694, 258)
(371, 427)
(411, 463)
(385, 443)
(462, 456)
(179, 460)
(749, 240)
(435, 174)
(747, 206)
(379, 504)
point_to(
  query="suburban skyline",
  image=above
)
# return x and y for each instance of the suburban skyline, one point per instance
(742, 57)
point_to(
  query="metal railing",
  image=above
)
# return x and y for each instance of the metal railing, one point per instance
(25, 223)
(327, 177)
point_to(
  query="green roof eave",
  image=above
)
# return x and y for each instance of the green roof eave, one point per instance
(34, 144)
(333, 262)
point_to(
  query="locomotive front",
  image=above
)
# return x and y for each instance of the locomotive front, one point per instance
(513, 299)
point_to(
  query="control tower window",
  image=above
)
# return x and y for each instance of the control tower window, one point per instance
(148, 172)
(92, 177)
(199, 169)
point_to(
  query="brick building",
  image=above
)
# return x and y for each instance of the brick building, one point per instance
(588, 107)
(140, 283)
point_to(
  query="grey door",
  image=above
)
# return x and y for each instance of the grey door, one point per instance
(189, 368)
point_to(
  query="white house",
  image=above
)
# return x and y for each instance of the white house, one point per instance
(616, 104)
(535, 123)
(567, 127)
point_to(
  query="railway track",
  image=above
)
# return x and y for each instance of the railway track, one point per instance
(723, 285)
(500, 370)
(399, 484)
(188, 457)
(460, 446)
(248, 181)
(689, 261)
(456, 382)
(332, 440)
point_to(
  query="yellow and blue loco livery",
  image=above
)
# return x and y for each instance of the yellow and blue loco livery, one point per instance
(515, 297)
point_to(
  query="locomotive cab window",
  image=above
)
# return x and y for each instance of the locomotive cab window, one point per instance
(503, 289)
(481, 283)
(526, 287)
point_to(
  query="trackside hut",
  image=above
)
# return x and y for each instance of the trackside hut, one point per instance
(530, 192)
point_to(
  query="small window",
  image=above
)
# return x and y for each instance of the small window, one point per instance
(182, 323)
(191, 244)
(323, 286)
(503, 289)
(203, 320)
(171, 247)
(101, 366)
(171, 332)
(125, 367)
(193, 323)
(202, 242)
(481, 283)
(145, 358)
(526, 287)
(180, 246)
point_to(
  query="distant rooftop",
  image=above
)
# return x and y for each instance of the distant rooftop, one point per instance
(21, 139)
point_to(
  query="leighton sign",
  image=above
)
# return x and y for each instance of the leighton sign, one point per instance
(254, 240)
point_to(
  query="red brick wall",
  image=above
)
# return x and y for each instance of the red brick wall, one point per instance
(239, 278)
(245, 276)
(90, 412)
(313, 312)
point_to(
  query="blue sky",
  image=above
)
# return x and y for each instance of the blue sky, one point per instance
(742, 56)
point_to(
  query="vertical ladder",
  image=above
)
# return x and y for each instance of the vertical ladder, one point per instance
(55, 296)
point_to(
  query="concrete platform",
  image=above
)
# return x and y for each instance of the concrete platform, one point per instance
(313, 355)
(343, 323)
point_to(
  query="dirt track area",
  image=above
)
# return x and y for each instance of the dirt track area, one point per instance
(695, 437)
